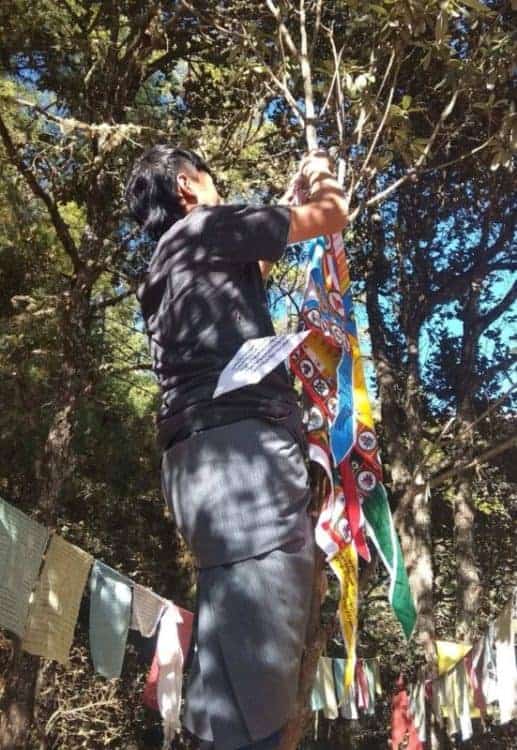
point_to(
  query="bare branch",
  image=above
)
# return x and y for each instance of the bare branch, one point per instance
(102, 303)
(461, 158)
(452, 470)
(381, 124)
(317, 26)
(284, 31)
(310, 117)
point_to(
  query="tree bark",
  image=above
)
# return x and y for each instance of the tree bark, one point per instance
(468, 584)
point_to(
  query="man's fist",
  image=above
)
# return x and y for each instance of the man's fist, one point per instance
(316, 162)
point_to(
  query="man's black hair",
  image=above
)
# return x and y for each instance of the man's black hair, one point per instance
(151, 191)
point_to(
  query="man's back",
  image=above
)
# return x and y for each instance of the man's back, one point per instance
(202, 298)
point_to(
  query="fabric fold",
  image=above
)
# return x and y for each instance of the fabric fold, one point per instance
(22, 544)
(110, 615)
(55, 603)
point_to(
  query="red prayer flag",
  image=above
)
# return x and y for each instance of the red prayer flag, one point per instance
(403, 731)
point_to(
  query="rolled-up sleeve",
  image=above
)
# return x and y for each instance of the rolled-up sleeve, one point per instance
(246, 234)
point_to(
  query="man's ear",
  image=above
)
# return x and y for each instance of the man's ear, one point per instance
(185, 191)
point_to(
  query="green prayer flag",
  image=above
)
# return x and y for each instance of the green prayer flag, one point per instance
(380, 528)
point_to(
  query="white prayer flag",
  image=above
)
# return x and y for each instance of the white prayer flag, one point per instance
(255, 359)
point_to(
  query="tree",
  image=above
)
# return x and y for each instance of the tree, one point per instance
(416, 99)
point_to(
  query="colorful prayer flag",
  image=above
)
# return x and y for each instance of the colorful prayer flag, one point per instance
(345, 566)
(449, 653)
(22, 544)
(55, 603)
(381, 529)
(110, 615)
(404, 733)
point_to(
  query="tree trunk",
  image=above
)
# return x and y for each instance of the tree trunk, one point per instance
(314, 644)
(467, 575)
(18, 701)
(413, 522)
(468, 584)
(53, 472)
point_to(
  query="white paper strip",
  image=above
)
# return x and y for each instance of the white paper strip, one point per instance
(255, 359)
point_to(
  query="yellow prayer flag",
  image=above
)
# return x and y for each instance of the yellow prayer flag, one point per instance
(55, 602)
(449, 653)
(362, 407)
(345, 567)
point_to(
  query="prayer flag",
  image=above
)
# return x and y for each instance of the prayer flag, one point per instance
(146, 611)
(506, 667)
(169, 657)
(22, 543)
(55, 603)
(149, 695)
(323, 695)
(345, 566)
(381, 529)
(403, 731)
(449, 653)
(110, 615)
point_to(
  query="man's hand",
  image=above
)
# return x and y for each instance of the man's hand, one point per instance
(326, 210)
(316, 162)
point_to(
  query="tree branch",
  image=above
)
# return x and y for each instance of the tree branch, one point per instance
(103, 303)
(305, 65)
(60, 226)
(284, 31)
(452, 470)
(484, 321)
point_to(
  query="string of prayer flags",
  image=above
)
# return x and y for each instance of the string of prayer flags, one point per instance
(110, 616)
(330, 695)
(22, 544)
(381, 530)
(345, 566)
(116, 603)
(146, 611)
(473, 681)
(55, 603)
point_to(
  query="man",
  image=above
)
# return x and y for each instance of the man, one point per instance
(233, 468)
